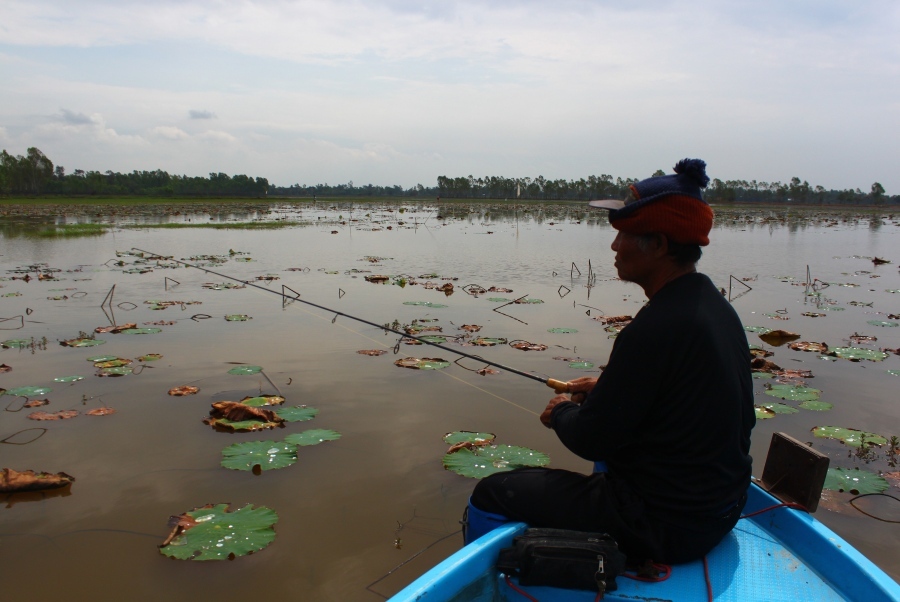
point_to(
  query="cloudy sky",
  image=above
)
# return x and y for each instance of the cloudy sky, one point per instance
(400, 92)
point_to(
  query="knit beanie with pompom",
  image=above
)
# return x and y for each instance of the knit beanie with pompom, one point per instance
(672, 205)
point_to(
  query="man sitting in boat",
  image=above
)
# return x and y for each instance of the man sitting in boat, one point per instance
(670, 415)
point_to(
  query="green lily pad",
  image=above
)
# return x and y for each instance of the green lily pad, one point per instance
(833, 308)
(115, 371)
(245, 370)
(312, 437)
(581, 365)
(793, 393)
(499, 299)
(757, 329)
(855, 481)
(263, 400)
(883, 323)
(15, 344)
(28, 391)
(432, 364)
(528, 301)
(489, 341)
(141, 331)
(433, 338)
(780, 408)
(856, 354)
(150, 357)
(894, 372)
(82, 342)
(763, 413)
(562, 330)
(423, 303)
(101, 358)
(68, 379)
(467, 437)
(268, 455)
(484, 461)
(816, 406)
(762, 375)
(238, 317)
(218, 534)
(851, 437)
(296, 413)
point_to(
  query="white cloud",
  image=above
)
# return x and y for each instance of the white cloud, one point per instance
(216, 136)
(169, 132)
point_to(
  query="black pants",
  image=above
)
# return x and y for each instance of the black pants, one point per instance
(561, 499)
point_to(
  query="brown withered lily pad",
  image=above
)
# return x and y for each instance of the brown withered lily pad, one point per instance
(793, 374)
(371, 352)
(12, 481)
(470, 327)
(100, 412)
(759, 364)
(115, 329)
(526, 346)
(60, 415)
(236, 416)
(377, 278)
(5, 368)
(612, 319)
(184, 390)
(862, 338)
(778, 337)
(485, 371)
(809, 346)
(36, 403)
(761, 353)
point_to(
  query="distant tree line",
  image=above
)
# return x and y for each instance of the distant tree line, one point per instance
(34, 174)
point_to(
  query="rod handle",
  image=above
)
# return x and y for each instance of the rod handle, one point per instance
(559, 386)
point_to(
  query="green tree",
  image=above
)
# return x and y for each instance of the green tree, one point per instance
(877, 192)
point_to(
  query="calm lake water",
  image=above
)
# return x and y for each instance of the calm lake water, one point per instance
(360, 517)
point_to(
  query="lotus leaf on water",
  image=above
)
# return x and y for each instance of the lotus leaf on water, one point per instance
(245, 370)
(854, 480)
(562, 330)
(15, 344)
(526, 346)
(426, 363)
(12, 481)
(424, 304)
(581, 365)
(883, 323)
(263, 400)
(235, 416)
(267, 455)
(183, 390)
(296, 413)
(237, 317)
(808, 346)
(372, 352)
(853, 437)
(483, 461)
(113, 363)
(780, 408)
(498, 299)
(68, 379)
(816, 406)
(150, 357)
(778, 337)
(82, 342)
(141, 331)
(104, 411)
(433, 339)
(894, 372)
(312, 437)
(101, 358)
(467, 437)
(757, 329)
(488, 341)
(762, 375)
(60, 415)
(793, 393)
(856, 354)
(763, 413)
(115, 371)
(211, 532)
(28, 391)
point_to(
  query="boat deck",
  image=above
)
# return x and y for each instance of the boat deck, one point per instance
(780, 555)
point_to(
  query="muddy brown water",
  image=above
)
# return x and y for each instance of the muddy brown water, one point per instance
(362, 516)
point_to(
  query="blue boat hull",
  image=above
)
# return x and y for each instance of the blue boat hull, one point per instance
(781, 555)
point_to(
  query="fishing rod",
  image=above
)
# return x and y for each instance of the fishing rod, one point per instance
(557, 385)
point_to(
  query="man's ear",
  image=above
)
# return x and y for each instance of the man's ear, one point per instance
(660, 245)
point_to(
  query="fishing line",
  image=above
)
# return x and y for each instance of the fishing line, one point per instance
(558, 385)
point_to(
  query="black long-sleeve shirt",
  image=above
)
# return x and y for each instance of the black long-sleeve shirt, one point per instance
(672, 412)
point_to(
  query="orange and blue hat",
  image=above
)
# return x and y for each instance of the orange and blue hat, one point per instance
(672, 205)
